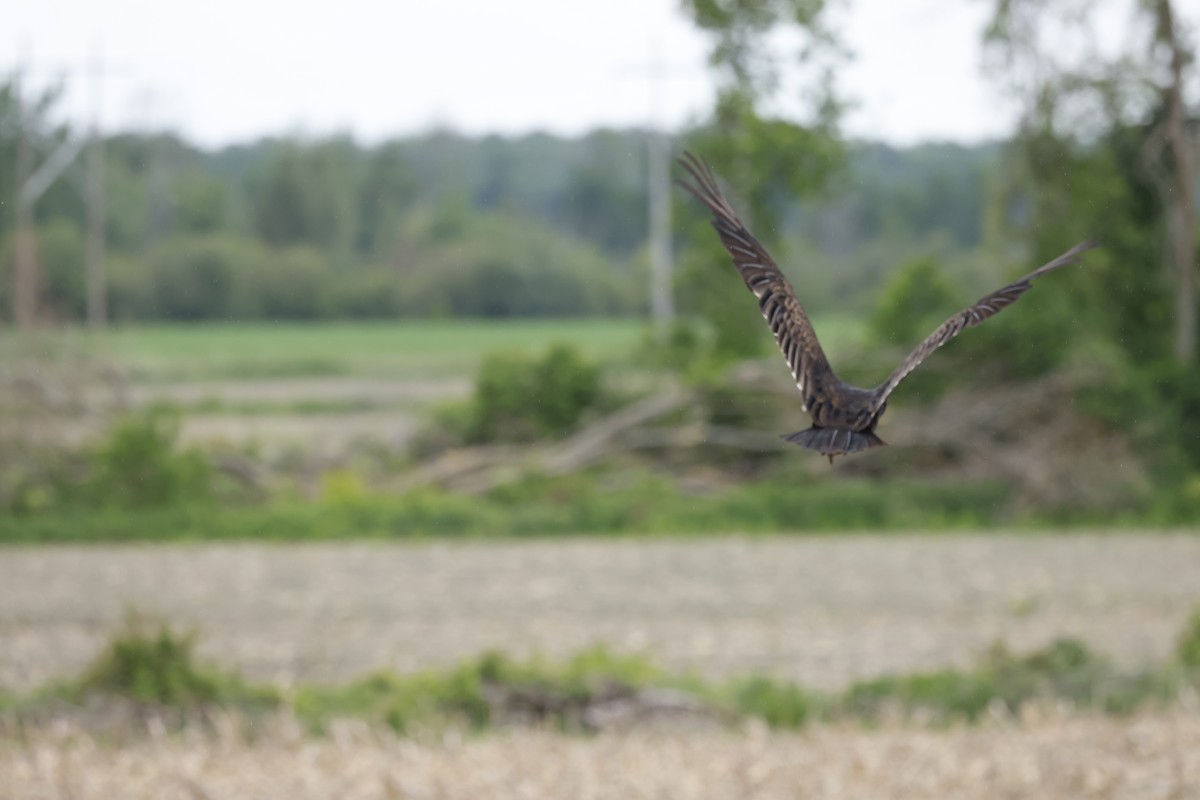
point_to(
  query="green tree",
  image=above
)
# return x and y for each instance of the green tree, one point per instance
(295, 283)
(386, 194)
(496, 265)
(194, 278)
(201, 201)
(602, 205)
(916, 300)
(766, 158)
(1080, 101)
(306, 195)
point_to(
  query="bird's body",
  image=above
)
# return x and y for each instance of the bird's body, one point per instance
(843, 416)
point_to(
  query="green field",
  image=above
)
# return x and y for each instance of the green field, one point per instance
(414, 349)
(405, 349)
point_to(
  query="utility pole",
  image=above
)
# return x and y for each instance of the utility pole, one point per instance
(32, 183)
(1181, 207)
(25, 277)
(658, 173)
(658, 178)
(97, 299)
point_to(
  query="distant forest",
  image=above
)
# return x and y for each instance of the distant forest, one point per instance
(445, 224)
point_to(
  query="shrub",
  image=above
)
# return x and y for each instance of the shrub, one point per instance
(140, 465)
(1065, 670)
(461, 694)
(403, 703)
(917, 298)
(288, 284)
(488, 265)
(155, 665)
(1188, 648)
(519, 398)
(194, 278)
(152, 667)
(780, 704)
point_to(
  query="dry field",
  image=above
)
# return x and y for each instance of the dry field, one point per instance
(821, 610)
(1147, 757)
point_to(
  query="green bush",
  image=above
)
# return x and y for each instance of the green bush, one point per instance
(460, 694)
(194, 278)
(152, 667)
(632, 503)
(140, 465)
(1157, 404)
(1024, 344)
(1188, 648)
(915, 300)
(403, 703)
(780, 704)
(156, 665)
(948, 693)
(1066, 670)
(518, 398)
(288, 284)
(491, 265)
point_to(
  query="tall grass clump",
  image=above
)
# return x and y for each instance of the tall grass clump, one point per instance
(152, 664)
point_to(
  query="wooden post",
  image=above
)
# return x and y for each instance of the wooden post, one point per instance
(97, 295)
(25, 278)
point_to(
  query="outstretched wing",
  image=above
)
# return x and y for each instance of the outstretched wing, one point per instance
(793, 332)
(983, 308)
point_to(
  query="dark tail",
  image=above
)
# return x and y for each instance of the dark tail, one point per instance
(835, 441)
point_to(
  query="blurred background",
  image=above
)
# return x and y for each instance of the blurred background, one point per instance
(271, 273)
(332, 260)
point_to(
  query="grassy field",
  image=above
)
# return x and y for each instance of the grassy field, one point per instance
(330, 383)
(416, 349)
(425, 349)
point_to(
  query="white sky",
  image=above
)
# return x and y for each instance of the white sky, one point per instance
(231, 70)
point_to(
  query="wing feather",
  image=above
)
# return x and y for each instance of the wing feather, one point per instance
(777, 300)
(984, 308)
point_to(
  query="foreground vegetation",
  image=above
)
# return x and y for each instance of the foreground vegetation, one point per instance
(574, 506)
(154, 668)
(137, 481)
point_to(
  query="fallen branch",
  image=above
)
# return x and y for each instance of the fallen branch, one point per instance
(596, 440)
(479, 469)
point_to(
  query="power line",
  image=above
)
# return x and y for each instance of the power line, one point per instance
(32, 183)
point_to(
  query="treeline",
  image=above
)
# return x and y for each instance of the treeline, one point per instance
(436, 224)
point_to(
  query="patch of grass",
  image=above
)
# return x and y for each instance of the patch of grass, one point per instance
(490, 689)
(155, 665)
(523, 398)
(1187, 650)
(403, 703)
(299, 406)
(1065, 671)
(780, 704)
(232, 367)
(629, 504)
(418, 349)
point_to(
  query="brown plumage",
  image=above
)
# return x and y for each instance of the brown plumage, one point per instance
(844, 416)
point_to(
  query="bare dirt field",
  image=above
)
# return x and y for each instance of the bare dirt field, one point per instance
(821, 610)
(1145, 757)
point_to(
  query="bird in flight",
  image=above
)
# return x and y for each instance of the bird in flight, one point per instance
(843, 416)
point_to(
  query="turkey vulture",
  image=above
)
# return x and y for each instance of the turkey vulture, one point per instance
(843, 416)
